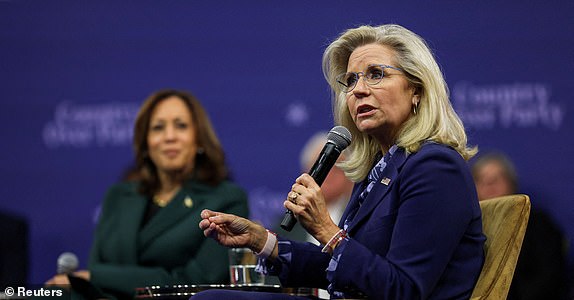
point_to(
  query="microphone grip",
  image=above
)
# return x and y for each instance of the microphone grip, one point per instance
(288, 221)
(319, 172)
(324, 163)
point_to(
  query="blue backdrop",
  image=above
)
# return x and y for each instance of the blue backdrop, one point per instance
(73, 74)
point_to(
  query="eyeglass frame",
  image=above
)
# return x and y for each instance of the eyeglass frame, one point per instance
(359, 74)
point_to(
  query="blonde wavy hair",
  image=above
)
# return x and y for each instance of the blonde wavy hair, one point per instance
(435, 119)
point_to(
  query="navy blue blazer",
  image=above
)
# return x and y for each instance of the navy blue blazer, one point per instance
(418, 234)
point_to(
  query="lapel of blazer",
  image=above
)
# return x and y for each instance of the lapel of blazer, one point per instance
(380, 189)
(182, 204)
(354, 201)
(131, 214)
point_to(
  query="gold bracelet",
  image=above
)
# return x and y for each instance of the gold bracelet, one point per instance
(334, 241)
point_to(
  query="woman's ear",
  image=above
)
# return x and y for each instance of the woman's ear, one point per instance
(416, 99)
(415, 102)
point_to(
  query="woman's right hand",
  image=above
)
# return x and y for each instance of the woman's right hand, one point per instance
(60, 280)
(233, 231)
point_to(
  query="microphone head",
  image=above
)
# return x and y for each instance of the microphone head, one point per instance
(340, 136)
(67, 263)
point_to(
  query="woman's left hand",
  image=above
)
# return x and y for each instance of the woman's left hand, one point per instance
(307, 203)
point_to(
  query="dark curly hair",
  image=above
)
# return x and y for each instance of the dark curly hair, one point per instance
(210, 167)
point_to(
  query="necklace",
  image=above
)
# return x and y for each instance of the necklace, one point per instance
(166, 197)
(159, 202)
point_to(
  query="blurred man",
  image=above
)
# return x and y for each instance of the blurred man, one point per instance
(336, 188)
(13, 250)
(540, 271)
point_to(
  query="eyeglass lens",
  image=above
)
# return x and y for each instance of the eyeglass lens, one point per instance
(373, 75)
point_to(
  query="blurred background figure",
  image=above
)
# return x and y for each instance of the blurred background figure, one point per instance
(13, 250)
(336, 188)
(541, 269)
(147, 232)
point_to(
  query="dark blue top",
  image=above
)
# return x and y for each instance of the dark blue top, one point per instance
(417, 235)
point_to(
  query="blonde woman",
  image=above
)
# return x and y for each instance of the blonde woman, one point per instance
(412, 228)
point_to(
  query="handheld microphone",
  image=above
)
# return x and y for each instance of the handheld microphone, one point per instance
(67, 263)
(337, 140)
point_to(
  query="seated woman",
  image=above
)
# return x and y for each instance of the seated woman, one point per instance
(147, 232)
(412, 228)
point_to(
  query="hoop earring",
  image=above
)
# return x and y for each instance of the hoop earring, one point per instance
(415, 108)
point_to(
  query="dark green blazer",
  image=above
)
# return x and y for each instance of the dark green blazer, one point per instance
(170, 249)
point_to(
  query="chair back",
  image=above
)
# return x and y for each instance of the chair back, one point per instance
(504, 221)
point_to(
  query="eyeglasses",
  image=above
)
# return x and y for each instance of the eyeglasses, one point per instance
(372, 76)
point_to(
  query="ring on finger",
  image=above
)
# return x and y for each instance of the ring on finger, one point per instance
(293, 197)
